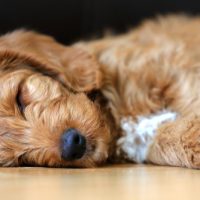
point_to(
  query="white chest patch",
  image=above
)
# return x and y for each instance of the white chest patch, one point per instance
(139, 134)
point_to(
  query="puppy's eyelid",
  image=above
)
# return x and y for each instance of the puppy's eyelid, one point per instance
(93, 95)
(19, 101)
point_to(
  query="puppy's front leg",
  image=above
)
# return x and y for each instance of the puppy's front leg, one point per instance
(177, 144)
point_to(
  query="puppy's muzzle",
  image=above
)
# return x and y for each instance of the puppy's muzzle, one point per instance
(73, 145)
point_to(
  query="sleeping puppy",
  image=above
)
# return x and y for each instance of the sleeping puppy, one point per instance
(133, 97)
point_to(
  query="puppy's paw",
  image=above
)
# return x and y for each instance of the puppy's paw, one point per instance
(133, 145)
(139, 135)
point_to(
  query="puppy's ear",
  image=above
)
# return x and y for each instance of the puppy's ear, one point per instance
(79, 71)
(82, 70)
(12, 61)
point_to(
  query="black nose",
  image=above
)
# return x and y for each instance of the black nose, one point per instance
(73, 144)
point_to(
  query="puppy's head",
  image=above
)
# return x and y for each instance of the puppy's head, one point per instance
(46, 119)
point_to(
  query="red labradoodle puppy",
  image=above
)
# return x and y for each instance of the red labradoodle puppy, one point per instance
(132, 97)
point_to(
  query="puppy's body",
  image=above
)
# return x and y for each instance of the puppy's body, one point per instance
(45, 88)
(152, 68)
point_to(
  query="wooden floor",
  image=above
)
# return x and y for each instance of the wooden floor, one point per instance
(109, 183)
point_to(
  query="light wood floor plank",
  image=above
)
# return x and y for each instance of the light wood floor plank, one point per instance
(135, 182)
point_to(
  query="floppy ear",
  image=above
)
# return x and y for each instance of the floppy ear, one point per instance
(74, 67)
(82, 70)
(79, 71)
(12, 60)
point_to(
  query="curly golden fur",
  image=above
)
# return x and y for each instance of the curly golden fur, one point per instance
(46, 89)
(154, 67)
(42, 95)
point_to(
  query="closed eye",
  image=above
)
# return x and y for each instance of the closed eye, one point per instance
(93, 95)
(97, 97)
(19, 102)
